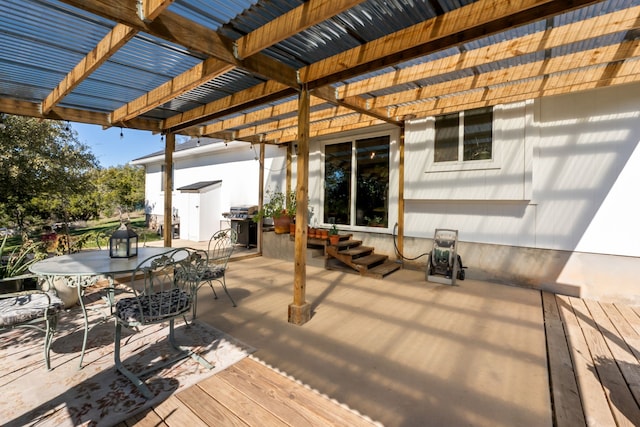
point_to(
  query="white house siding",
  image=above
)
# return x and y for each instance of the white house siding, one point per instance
(588, 171)
(236, 166)
(560, 210)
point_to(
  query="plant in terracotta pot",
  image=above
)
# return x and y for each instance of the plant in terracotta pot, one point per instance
(278, 206)
(334, 237)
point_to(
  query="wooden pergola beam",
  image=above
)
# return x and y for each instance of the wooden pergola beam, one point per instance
(151, 9)
(612, 23)
(271, 111)
(464, 24)
(191, 79)
(290, 122)
(256, 95)
(32, 109)
(114, 40)
(601, 55)
(577, 80)
(592, 77)
(355, 103)
(193, 36)
(286, 25)
(347, 122)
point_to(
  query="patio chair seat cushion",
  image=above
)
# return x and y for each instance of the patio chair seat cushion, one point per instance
(23, 308)
(214, 272)
(155, 307)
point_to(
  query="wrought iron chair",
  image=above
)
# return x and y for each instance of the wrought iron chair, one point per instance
(220, 248)
(162, 288)
(34, 309)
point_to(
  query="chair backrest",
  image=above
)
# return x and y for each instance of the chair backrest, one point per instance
(160, 285)
(221, 246)
(190, 270)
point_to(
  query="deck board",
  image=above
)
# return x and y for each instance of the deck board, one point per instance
(622, 376)
(250, 393)
(402, 332)
(221, 406)
(564, 388)
(595, 403)
(290, 399)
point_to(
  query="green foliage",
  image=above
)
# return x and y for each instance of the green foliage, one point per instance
(278, 204)
(41, 167)
(121, 189)
(46, 174)
(333, 230)
(19, 260)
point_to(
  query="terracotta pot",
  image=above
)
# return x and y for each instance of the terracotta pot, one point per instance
(312, 233)
(281, 225)
(324, 234)
(292, 227)
(334, 239)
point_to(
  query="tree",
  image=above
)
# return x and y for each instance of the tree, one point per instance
(121, 189)
(42, 167)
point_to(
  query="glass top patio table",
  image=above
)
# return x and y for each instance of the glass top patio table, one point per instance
(82, 269)
(93, 263)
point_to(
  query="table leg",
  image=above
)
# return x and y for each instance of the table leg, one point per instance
(80, 283)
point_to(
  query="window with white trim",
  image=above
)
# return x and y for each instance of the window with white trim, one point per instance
(467, 135)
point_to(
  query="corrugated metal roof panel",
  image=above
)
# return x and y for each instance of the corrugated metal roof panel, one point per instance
(211, 13)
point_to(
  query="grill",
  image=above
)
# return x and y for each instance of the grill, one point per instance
(242, 212)
(241, 218)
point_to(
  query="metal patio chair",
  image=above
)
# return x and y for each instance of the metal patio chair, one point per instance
(163, 288)
(220, 248)
(35, 309)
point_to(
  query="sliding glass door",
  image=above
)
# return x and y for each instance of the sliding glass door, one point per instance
(356, 182)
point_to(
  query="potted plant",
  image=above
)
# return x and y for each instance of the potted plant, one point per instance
(278, 206)
(334, 237)
(14, 266)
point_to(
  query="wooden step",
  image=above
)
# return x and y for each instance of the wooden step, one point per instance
(349, 255)
(348, 243)
(357, 251)
(370, 261)
(382, 270)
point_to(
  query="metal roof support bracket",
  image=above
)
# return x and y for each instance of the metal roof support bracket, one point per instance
(140, 9)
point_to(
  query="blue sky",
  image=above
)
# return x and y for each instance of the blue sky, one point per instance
(111, 150)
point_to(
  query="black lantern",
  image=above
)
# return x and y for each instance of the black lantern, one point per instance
(123, 243)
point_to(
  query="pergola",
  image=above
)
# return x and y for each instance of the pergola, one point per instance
(279, 71)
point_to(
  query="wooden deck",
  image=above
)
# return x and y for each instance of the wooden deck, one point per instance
(250, 393)
(594, 350)
(405, 352)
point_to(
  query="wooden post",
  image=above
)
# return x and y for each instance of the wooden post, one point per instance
(170, 145)
(289, 172)
(260, 195)
(401, 192)
(299, 309)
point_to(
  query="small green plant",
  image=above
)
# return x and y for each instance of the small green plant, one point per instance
(18, 261)
(333, 230)
(278, 204)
